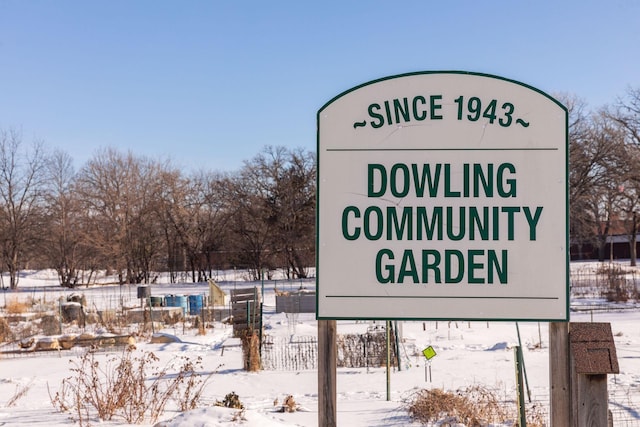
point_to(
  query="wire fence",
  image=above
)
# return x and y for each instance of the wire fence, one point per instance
(289, 354)
(624, 404)
(300, 353)
(613, 282)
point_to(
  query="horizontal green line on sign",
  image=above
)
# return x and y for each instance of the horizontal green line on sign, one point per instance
(437, 297)
(442, 149)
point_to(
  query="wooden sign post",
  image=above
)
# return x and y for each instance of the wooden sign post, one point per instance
(559, 375)
(327, 411)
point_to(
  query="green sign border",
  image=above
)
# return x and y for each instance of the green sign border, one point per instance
(397, 76)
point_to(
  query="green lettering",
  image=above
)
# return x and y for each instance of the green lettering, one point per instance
(479, 179)
(506, 187)
(533, 221)
(449, 254)
(426, 176)
(379, 120)
(447, 182)
(388, 274)
(433, 226)
(423, 114)
(473, 265)
(434, 266)
(345, 223)
(481, 224)
(460, 226)
(371, 169)
(373, 228)
(436, 107)
(499, 267)
(401, 110)
(394, 180)
(510, 211)
(396, 229)
(408, 267)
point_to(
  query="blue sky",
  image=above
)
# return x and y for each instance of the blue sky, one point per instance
(208, 84)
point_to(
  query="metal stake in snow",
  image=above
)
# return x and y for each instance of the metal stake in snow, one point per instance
(429, 353)
(524, 369)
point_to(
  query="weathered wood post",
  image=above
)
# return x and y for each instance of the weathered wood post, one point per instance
(327, 354)
(559, 374)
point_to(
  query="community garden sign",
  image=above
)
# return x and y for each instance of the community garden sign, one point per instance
(442, 195)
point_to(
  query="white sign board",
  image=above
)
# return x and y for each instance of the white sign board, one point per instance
(442, 195)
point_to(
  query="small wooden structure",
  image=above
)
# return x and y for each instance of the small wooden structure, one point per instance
(593, 356)
(581, 355)
(296, 302)
(216, 294)
(246, 309)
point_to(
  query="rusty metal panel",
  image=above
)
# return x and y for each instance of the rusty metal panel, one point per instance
(593, 349)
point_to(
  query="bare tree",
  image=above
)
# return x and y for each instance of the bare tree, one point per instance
(630, 215)
(273, 202)
(596, 159)
(146, 244)
(22, 178)
(251, 242)
(627, 115)
(582, 157)
(294, 205)
(63, 246)
(134, 216)
(171, 197)
(195, 214)
(595, 149)
(119, 195)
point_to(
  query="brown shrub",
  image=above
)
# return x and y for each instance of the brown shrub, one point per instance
(476, 406)
(614, 285)
(289, 404)
(231, 400)
(120, 387)
(5, 331)
(251, 351)
(50, 325)
(14, 306)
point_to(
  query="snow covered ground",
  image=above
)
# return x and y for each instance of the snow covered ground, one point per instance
(468, 353)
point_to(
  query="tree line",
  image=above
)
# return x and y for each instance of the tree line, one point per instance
(604, 173)
(134, 216)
